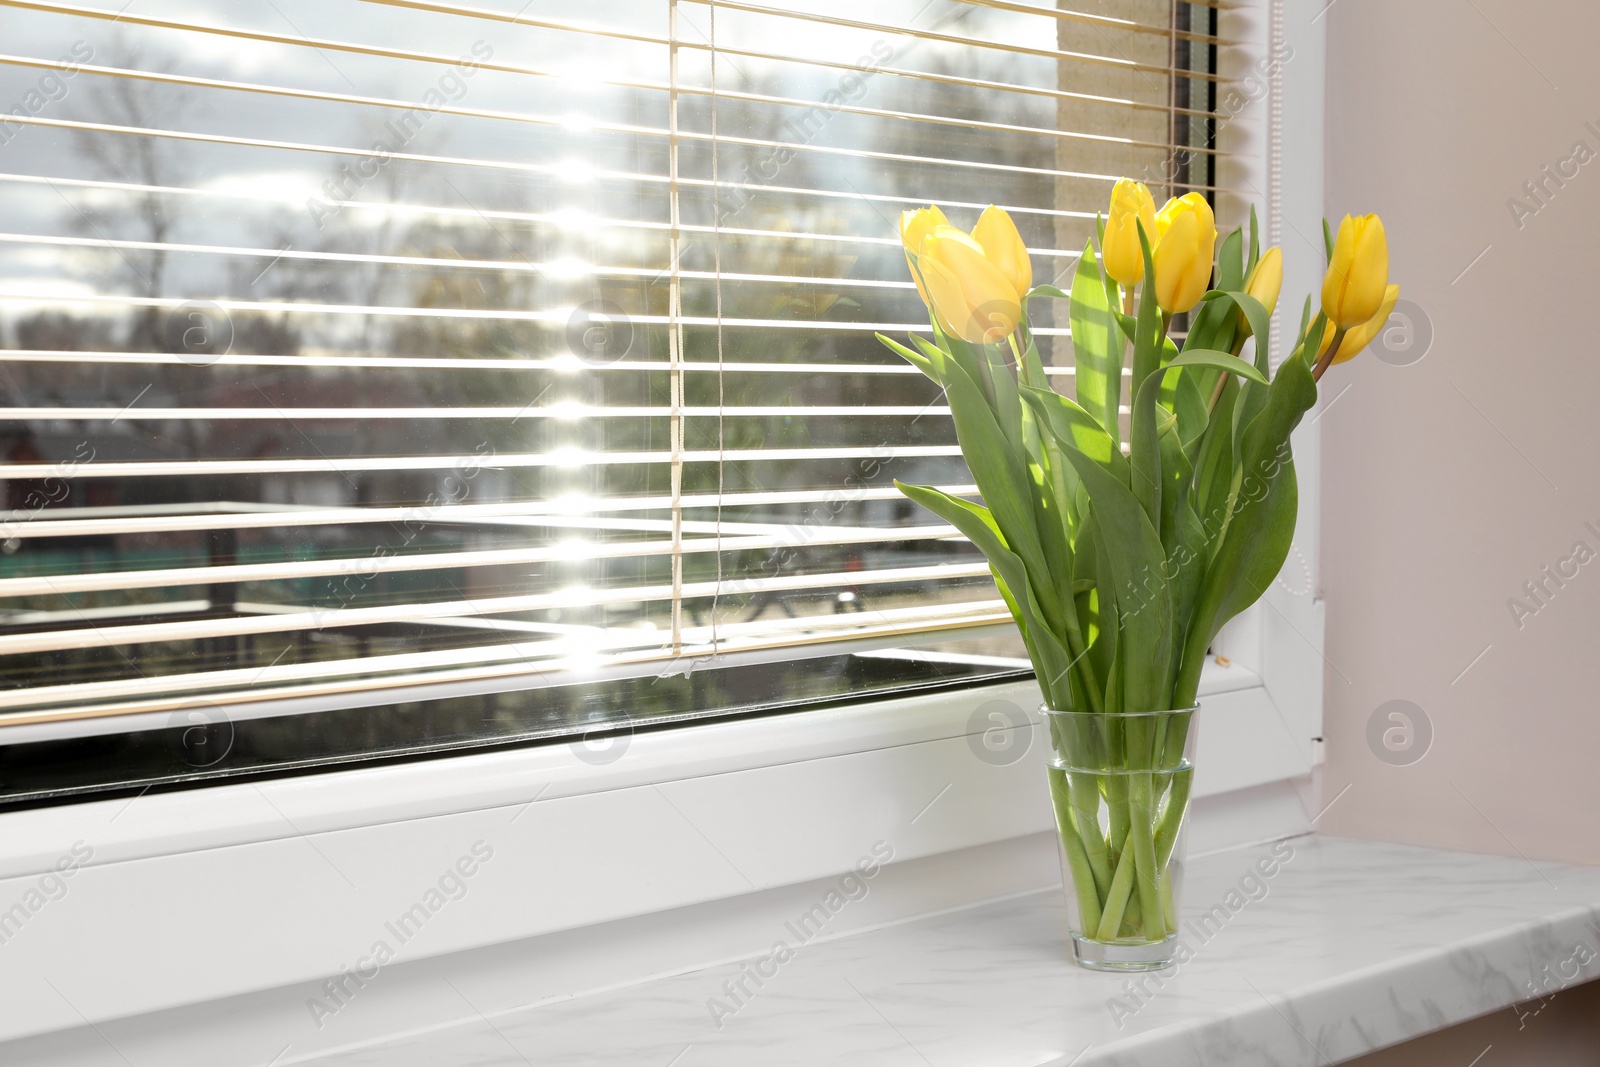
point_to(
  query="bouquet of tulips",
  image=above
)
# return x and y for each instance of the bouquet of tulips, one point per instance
(1121, 561)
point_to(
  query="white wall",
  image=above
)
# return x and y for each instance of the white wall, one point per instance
(1451, 482)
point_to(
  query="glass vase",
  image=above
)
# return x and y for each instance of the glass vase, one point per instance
(1120, 782)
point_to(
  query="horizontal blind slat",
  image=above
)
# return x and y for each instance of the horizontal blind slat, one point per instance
(98, 522)
(182, 468)
(294, 620)
(564, 365)
(174, 577)
(558, 319)
(687, 89)
(899, 624)
(390, 103)
(538, 168)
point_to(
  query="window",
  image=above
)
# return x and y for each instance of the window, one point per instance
(394, 377)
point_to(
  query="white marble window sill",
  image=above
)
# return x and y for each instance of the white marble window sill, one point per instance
(1346, 948)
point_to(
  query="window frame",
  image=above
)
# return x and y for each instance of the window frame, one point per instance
(713, 790)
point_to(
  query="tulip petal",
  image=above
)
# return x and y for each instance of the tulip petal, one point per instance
(1131, 204)
(1362, 336)
(1358, 272)
(1266, 281)
(1003, 246)
(971, 297)
(1184, 254)
(915, 226)
(1172, 258)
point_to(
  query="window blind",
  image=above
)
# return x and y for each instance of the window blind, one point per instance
(362, 345)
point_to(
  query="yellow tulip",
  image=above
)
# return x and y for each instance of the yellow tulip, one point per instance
(1362, 336)
(1329, 332)
(1358, 273)
(971, 297)
(1002, 245)
(1186, 245)
(1266, 281)
(915, 226)
(1124, 259)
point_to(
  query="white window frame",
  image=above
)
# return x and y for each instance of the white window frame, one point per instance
(637, 824)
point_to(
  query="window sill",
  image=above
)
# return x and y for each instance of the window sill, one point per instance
(294, 877)
(1354, 946)
(1347, 947)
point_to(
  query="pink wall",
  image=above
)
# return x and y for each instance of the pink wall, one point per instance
(1451, 482)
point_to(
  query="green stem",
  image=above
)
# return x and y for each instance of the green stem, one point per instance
(1172, 817)
(1083, 878)
(1132, 919)
(1086, 806)
(1185, 690)
(1117, 804)
(1142, 834)
(1117, 898)
(1080, 662)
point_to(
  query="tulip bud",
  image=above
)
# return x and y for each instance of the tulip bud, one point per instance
(1362, 336)
(1185, 247)
(971, 297)
(1358, 274)
(1131, 203)
(915, 226)
(1329, 332)
(1002, 245)
(1266, 281)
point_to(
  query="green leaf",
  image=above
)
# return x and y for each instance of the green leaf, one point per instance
(1052, 501)
(1188, 402)
(1144, 451)
(1255, 244)
(1177, 476)
(1050, 659)
(1230, 262)
(1263, 502)
(1145, 459)
(1307, 348)
(1147, 336)
(1132, 553)
(1007, 402)
(1211, 326)
(1114, 699)
(1252, 399)
(938, 356)
(1097, 346)
(960, 513)
(1206, 357)
(1214, 464)
(1254, 313)
(1030, 371)
(965, 357)
(925, 364)
(1047, 290)
(1001, 475)
(1186, 568)
(1327, 239)
(1097, 610)
(1075, 428)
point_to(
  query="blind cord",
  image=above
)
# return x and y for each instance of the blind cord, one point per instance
(675, 334)
(716, 246)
